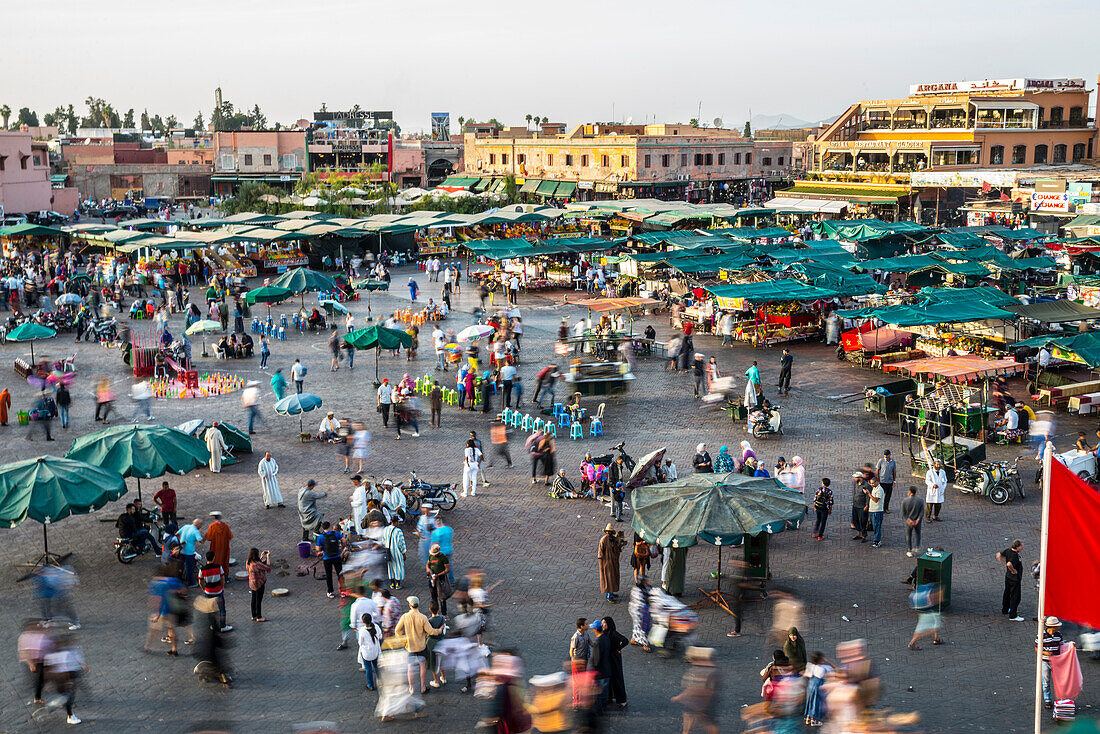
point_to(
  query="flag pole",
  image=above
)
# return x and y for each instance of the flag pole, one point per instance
(1048, 454)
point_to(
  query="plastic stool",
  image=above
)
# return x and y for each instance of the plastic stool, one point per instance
(576, 431)
(596, 427)
(538, 424)
(563, 420)
(504, 415)
(281, 334)
(551, 429)
(516, 418)
(558, 409)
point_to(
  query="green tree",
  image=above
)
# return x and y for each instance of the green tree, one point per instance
(198, 122)
(511, 193)
(128, 118)
(57, 117)
(26, 116)
(156, 124)
(256, 118)
(171, 122)
(529, 120)
(71, 120)
(146, 124)
(249, 198)
(5, 112)
(748, 130)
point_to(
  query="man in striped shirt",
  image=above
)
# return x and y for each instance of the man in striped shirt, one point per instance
(212, 583)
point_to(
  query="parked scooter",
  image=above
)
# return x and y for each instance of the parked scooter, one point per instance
(441, 496)
(765, 420)
(609, 458)
(998, 480)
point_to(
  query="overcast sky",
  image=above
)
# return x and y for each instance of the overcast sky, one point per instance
(569, 60)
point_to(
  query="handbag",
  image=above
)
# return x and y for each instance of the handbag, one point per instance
(443, 587)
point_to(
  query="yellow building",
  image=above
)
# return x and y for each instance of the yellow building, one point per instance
(608, 160)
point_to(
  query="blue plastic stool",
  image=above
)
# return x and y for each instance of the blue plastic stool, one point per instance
(516, 417)
(537, 425)
(558, 409)
(596, 427)
(563, 420)
(504, 415)
(551, 429)
(576, 431)
(527, 422)
(281, 334)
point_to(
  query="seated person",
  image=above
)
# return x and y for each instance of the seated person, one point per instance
(563, 489)
(131, 527)
(1082, 442)
(1008, 427)
(328, 429)
(221, 349)
(232, 347)
(393, 501)
(316, 320)
(137, 307)
(245, 345)
(160, 369)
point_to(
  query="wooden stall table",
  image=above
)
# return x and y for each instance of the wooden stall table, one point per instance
(1084, 404)
(1052, 396)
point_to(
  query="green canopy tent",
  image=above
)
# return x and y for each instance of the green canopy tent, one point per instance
(370, 285)
(142, 452)
(1082, 348)
(50, 488)
(378, 338)
(717, 509)
(30, 332)
(26, 229)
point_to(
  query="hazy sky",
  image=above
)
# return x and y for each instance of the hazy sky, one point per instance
(570, 60)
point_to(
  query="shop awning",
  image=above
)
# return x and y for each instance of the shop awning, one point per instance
(790, 204)
(483, 184)
(565, 189)
(26, 229)
(930, 313)
(546, 188)
(603, 305)
(530, 185)
(1055, 312)
(1083, 348)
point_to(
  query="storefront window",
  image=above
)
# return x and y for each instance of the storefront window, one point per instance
(1059, 153)
(1040, 154)
(1019, 154)
(908, 162)
(955, 157)
(949, 117)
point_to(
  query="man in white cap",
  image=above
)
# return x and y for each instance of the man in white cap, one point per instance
(327, 431)
(1052, 645)
(215, 444)
(415, 628)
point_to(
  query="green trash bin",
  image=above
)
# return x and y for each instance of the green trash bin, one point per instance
(934, 567)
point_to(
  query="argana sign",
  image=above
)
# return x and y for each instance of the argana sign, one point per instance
(996, 85)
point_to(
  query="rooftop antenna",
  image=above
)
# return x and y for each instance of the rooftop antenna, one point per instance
(699, 113)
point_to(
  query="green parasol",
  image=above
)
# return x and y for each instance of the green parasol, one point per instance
(30, 332)
(141, 451)
(369, 285)
(268, 294)
(235, 438)
(50, 488)
(378, 338)
(303, 280)
(718, 509)
(203, 326)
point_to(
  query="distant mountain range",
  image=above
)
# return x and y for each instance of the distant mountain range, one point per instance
(785, 122)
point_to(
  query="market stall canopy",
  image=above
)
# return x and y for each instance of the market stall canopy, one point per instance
(718, 509)
(839, 280)
(877, 340)
(790, 204)
(373, 337)
(787, 289)
(1055, 312)
(604, 305)
(26, 229)
(268, 294)
(929, 313)
(1083, 348)
(985, 294)
(961, 368)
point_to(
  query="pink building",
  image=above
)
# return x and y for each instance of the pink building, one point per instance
(24, 174)
(275, 157)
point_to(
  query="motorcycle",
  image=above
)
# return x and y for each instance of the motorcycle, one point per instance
(765, 421)
(442, 496)
(609, 459)
(126, 551)
(998, 480)
(102, 330)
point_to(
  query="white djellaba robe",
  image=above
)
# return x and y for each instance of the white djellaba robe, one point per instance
(215, 443)
(269, 481)
(359, 507)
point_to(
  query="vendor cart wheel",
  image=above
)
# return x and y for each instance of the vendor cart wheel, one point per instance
(1039, 475)
(1032, 388)
(1084, 475)
(963, 464)
(999, 494)
(840, 353)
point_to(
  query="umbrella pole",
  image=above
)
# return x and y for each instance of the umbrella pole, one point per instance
(139, 500)
(377, 349)
(32, 353)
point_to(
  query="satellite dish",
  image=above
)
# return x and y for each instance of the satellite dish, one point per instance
(718, 122)
(629, 120)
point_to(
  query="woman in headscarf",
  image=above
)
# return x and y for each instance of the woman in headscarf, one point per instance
(795, 649)
(746, 451)
(702, 461)
(724, 462)
(749, 467)
(793, 475)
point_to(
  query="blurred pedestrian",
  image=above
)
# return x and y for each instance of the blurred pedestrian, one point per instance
(699, 698)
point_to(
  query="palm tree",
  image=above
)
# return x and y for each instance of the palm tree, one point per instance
(529, 120)
(5, 112)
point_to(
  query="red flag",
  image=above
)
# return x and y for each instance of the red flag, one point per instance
(1005, 197)
(1073, 549)
(986, 188)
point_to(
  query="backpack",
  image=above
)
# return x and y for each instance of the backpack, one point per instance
(821, 500)
(331, 544)
(305, 370)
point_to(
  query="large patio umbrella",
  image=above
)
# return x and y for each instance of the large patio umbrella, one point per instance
(203, 326)
(378, 338)
(369, 285)
(647, 462)
(50, 488)
(297, 404)
(30, 332)
(718, 509)
(303, 280)
(268, 294)
(140, 451)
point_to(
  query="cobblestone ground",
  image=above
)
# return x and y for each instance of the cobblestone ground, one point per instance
(542, 550)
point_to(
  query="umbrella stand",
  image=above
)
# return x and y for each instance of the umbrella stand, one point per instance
(46, 559)
(723, 599)
(204, 354)
(377, 349)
